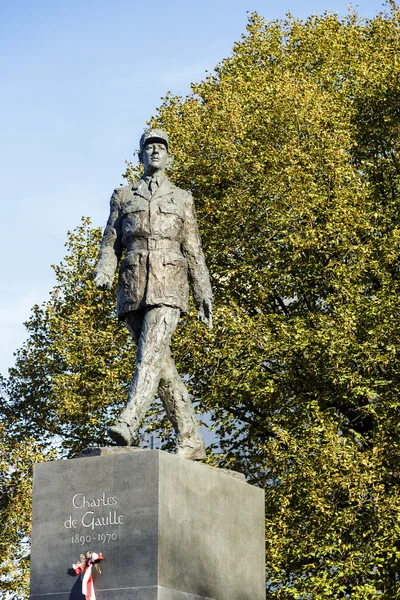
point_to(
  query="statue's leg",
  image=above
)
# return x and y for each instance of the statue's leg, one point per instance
(158, 325)
(176, 401)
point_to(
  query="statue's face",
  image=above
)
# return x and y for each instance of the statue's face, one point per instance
(154, 157)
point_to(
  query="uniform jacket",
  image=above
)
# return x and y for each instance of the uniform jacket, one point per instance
(163, 247)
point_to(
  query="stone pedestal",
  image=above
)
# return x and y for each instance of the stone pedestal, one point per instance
(168, 528)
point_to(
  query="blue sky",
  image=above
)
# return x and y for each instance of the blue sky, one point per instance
(79, 80)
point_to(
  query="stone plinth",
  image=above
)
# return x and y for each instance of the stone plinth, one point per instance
(168, 528)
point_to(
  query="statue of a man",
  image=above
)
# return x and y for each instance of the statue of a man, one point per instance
(155, 222)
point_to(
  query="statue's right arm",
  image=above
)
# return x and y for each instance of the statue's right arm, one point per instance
(111, 245)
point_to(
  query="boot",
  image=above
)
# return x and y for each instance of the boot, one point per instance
(191, 446)
(122, 435)
(176, 400)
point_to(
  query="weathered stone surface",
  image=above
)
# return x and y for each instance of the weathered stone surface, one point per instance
(211, 533)
(125, 490)
(169, 529)
(229, 473)
(106, 450)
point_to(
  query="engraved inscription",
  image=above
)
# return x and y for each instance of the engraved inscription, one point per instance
(93, 515)
(103, 538)
(80, 501)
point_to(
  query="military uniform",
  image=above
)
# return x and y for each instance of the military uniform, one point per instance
(160, 234)
(155, 222)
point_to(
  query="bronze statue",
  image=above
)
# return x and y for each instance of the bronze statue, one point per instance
(155, 222)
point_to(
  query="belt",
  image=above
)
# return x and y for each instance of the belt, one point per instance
(153, 244)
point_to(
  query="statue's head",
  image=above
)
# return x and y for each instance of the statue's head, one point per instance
(153, 150)
(153, 135)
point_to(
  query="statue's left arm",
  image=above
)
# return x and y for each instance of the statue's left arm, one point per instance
(197, 264)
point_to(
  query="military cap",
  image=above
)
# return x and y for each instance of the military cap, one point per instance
(153, 135)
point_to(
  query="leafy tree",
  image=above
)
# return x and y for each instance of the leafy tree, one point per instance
(16, 461)
(71, 375)
(290, 149)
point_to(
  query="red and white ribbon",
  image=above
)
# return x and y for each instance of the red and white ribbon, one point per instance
(86, 572)
(87, 584)
(77, 568)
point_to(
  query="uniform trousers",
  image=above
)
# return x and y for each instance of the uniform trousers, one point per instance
(151, 329)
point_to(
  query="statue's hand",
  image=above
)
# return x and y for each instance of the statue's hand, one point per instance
(204, 314)
(102, 280)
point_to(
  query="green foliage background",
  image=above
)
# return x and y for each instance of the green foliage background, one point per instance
(290, 148)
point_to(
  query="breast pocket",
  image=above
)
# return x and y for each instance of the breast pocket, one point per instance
(171, 221)
(134, 220)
